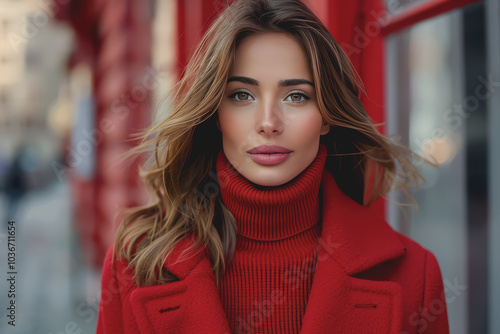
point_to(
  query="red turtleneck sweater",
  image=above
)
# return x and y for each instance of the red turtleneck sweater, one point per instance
(266, 287)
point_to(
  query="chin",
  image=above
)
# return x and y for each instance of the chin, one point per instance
(270, 180)
(273, 183)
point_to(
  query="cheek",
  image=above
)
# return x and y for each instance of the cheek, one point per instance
(308, 127)
(231, 125)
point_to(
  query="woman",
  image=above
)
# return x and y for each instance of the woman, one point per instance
(260, 183)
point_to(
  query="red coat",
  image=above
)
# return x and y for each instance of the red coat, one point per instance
(368, 279)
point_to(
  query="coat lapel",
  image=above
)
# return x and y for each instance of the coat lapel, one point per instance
(353, 239)
(190, 305)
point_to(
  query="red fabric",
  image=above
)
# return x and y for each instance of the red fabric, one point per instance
(367, 279)
(278, 232)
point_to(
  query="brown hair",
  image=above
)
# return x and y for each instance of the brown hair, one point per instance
(179, 173)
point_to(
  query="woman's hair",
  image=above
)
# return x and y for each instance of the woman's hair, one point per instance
(184, 197)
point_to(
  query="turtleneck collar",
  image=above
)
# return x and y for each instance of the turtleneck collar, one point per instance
(272, 213)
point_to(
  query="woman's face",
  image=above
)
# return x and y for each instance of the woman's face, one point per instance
(270, 100)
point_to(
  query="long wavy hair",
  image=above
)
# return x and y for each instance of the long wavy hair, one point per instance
(184, 198)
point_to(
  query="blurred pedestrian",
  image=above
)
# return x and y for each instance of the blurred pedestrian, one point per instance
(15, 185)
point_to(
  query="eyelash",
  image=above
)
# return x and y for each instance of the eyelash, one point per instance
(297, 92)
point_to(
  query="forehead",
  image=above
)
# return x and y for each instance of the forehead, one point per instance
(271, 54)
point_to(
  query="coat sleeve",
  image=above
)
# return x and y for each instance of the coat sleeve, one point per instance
(109, 319)
(433, 314)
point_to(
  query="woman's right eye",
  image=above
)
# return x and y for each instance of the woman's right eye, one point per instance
(240, 96)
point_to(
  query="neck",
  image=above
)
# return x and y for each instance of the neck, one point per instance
(272, 213)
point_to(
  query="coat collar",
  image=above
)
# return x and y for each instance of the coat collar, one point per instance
(353, 239)
(360, 238)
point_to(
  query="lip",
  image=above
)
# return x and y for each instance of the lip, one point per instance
(269, 154)
(269, 149)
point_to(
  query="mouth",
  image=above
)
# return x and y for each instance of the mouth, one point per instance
(269, 154)
(269, 149)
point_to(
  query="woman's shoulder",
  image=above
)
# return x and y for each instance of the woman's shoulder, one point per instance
(419, 263)
(180, 261)
(117, 270)
(414, 251)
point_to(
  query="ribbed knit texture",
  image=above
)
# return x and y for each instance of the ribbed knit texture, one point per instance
(267, 285)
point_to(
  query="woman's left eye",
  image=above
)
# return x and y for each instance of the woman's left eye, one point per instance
(296, 97)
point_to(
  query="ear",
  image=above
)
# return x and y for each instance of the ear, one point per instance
(218, 124)
(325, 128)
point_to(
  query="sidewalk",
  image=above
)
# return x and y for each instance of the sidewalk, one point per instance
(55, 293)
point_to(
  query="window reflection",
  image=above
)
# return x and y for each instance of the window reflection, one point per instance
(427, 92)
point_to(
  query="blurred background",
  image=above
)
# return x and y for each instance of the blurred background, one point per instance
(78, 78)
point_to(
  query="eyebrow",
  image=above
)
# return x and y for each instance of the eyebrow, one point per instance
(281, 83)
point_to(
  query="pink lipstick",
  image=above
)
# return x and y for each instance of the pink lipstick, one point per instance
(269, 154)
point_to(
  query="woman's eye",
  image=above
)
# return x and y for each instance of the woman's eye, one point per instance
(298, 97)
(241, 96)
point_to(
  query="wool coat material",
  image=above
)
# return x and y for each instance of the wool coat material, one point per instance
(368, 279)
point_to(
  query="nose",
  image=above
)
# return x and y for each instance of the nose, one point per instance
(270, 121)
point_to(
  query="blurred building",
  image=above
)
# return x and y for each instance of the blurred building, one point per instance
(33, 53)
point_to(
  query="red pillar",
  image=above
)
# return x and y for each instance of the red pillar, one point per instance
(115, 36)
(193, 19)
(356, 26)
